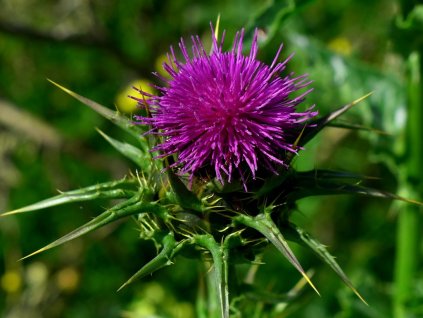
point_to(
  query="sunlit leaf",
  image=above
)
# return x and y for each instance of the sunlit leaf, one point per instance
(317, 125)
(134, 205)
(264, 224)
(106, 190)
(140, 158)
(116, 118)
(164, 258)
(299, 235)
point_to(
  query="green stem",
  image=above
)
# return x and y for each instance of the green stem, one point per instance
(410, 218)
(213, 306)
(406, 260)
(201, 306)
(217, 278)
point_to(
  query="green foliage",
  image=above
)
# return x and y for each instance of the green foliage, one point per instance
(96, 49)
(171, 232)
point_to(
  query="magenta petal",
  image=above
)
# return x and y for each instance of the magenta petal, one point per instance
(226, 110)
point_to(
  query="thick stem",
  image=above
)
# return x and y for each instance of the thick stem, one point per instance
(217, 278)
(407, 258)
(410, 218)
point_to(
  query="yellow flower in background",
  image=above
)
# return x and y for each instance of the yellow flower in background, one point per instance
(127, 105)
(11, 281)
(67, 279)
(341, 45)
(158, 65)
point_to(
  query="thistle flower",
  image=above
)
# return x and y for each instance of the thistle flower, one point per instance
(225, 110)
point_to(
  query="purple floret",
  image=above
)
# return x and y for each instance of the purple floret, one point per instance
(225, 110)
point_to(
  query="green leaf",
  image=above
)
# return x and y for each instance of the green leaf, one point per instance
(384, 110)
(116, 118)
(285, 179)
(186, 198)
(342, 124)
(140, 158)
(264, 224)
(220, 269)
(300, 236)
(273, 183)
(306, 184)
(328, 174)
(269, 18)
(134, 205)
(413, 21)
(258, 294)
(164, 258)
(104, 190)
(315, 126)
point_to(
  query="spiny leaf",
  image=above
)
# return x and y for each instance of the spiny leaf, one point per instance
(131, 152)
(264, 224)
(99, 191)
(328, 174)
(161, 260)
(273, 183)
(301, 236)
(277, 181)
(305, 186)
(317, 125)
(216, 32)
(134, 205)
(121, 121)
(187, 199)
(357, 127)
(220, 269)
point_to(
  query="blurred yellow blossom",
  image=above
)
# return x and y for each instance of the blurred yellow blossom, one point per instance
(67, 279)
(11, 281)
(127, 105)
(341, 45)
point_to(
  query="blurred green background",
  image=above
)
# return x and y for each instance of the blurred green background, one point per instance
(97, 48)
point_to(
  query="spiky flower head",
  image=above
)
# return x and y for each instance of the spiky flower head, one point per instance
(226, 111)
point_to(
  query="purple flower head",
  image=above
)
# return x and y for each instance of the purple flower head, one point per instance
(225, 111)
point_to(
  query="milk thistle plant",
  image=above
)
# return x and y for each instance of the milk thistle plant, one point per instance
(214, 175)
